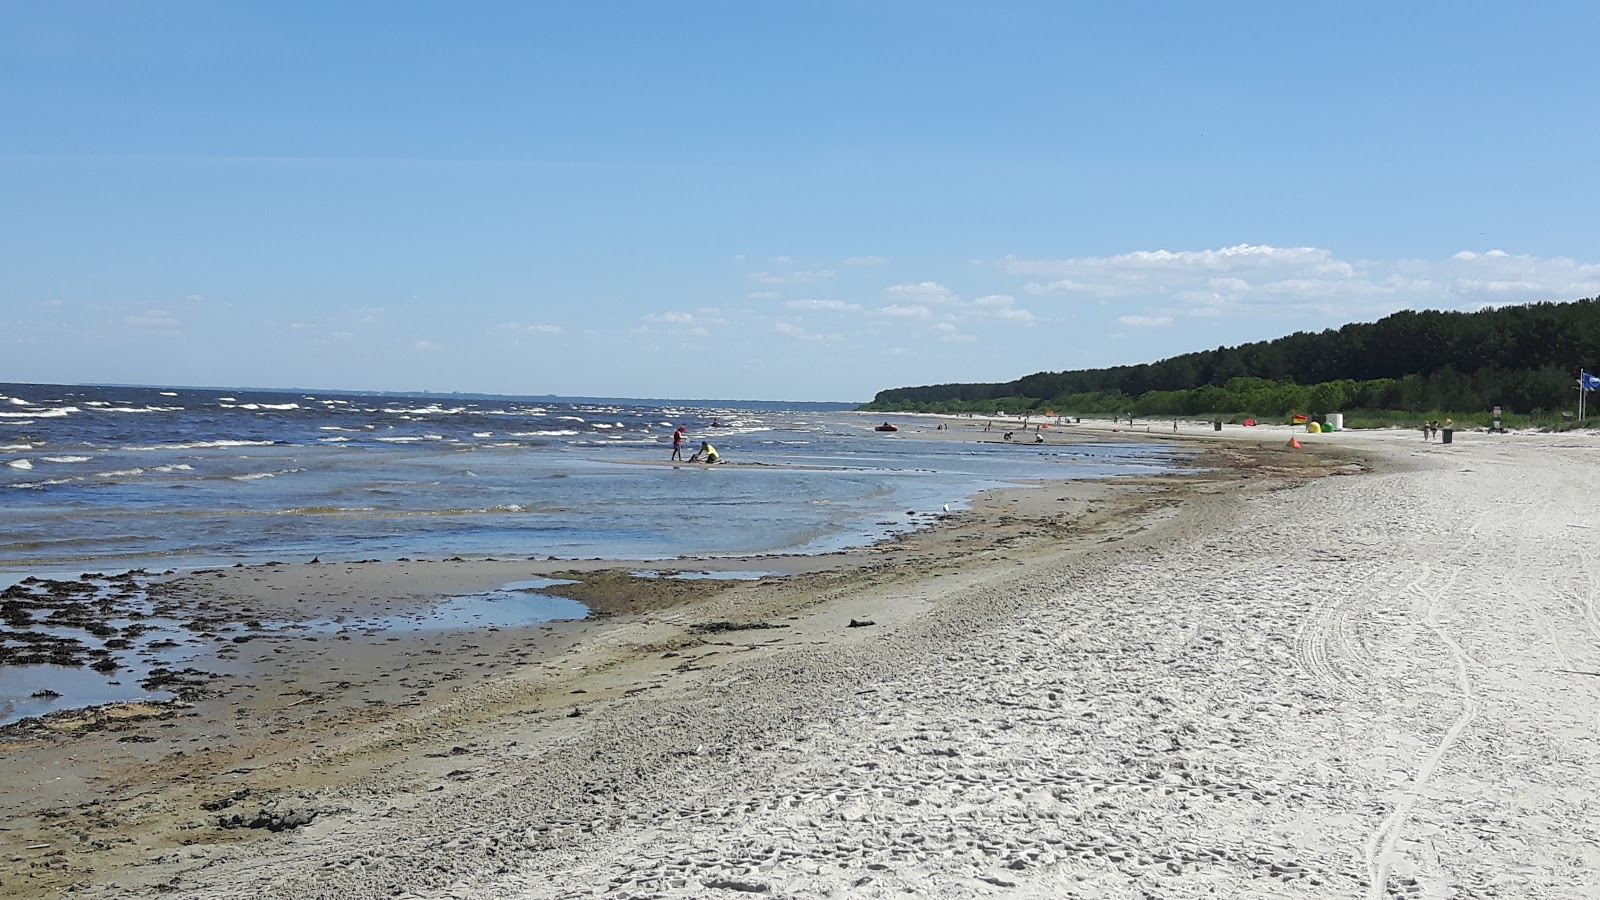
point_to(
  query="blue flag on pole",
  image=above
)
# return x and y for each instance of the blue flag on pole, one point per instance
(1589, 382)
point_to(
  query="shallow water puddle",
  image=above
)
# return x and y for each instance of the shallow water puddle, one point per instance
(70, 644)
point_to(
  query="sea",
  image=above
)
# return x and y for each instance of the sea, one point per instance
(106, 478)
(97, 482)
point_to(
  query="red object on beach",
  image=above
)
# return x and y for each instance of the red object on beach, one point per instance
(1249, 422)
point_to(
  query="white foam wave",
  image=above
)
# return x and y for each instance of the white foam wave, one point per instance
(67, 459)
(137, 409)
(559, 432)
(280, 406)
(433, 410)
(18, 401)
(169, 393)
(57, 413)
(35, 485)
(333, 440)
(571, 419)
(12, 447)
(125, 473)
(483, 434)
(202, 445)
(20, 464)
(256, 476)
(400, 440)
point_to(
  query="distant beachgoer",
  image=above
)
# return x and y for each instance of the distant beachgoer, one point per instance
(1038, 438)
(677, 443)
(1008, 436)
(708, 451)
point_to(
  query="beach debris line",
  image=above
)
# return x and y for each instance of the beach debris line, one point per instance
(717, 627)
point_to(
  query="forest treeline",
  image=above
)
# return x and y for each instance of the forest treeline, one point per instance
(1524, 358)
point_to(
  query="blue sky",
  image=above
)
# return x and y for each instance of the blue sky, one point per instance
(804, 201)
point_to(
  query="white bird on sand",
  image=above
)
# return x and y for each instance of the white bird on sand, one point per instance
(947, 507)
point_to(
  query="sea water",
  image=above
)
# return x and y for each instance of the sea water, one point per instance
(108, 479)
(116, 478)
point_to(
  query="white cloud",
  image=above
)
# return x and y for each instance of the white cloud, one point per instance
(999, 306)
(670, 318)
(807, 277)
(904, 311)
(928, 291)
(154, 321)
(865, 261)
(801, 334)
(518, 329)
(828, 305)
(1248, 279)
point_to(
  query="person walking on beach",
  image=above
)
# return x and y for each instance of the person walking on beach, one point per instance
(677, 443)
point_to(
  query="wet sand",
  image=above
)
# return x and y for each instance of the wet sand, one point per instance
(1252, 680)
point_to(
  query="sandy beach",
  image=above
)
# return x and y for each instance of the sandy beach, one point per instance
(1366, 668)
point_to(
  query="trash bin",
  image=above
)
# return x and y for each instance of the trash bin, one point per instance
(1447, 435)
(1216, 426)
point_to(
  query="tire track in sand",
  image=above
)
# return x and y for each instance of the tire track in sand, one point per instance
(1381, 852)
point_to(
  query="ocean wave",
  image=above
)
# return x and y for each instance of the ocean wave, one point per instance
(559, 432)
(67, 459)
(17, 400)
(434, 410)
(57, 413)
(169, 393)
(35, 485)
(134, 409)
(482, 434)
(202, 445)
(571, 419)
(256, 406)
(20, 464)
(333, 440)
(256, 476)
(400, 440)
(12, 448)
(101, 476)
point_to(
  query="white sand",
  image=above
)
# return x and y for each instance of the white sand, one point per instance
(1364, 687)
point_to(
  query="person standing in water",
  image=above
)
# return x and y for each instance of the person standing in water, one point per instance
(677, 443)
